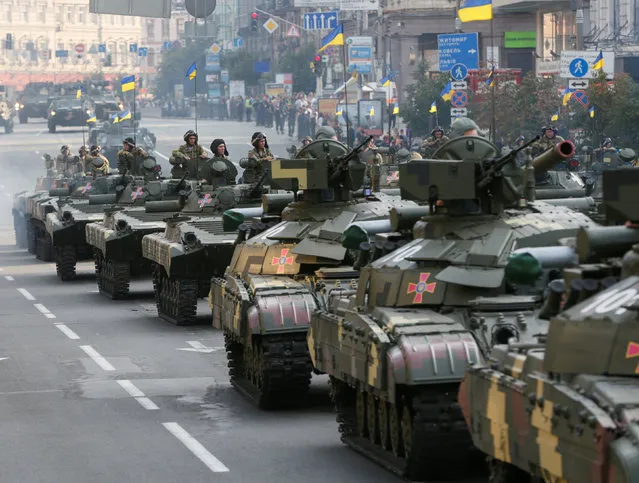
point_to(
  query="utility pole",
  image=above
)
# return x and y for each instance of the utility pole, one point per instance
(101, 59)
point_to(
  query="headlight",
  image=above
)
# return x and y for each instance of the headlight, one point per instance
(88, 112)
(17, 106)
(53, 113)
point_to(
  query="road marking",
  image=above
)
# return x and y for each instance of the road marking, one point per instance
(67, 331)
(97, 358)
(9, 278)
(44, 311)
(197, 346)
(161, 155)
(138, 395)
(3, 358)
(26, 293)
(215, 465)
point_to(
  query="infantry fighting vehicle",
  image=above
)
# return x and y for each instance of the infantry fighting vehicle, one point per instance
(195, 246)
(66, 226)
(34, 101)
(566, 410)
(396, 345)
(265, 299)
(68, 111)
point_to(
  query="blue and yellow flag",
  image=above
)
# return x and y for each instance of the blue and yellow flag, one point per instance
(490, 81)
(598, 64)
(396, 108)
(555, 116)
(447, 92)
(591, 111)
(339, 111)
(567, 95)
(473, 10)
(433, 107)
(192, 71)
(371, 111)
(80, 91)
(92, 119)
(114, 118)
(336, 37)
(128, 83)
(385, 82)
(125, 115)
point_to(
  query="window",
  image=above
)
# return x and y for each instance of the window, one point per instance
(8, 15)
(42, 13)
(166, 29)
(150, 30)
(82, 15)
(94, 18)
(59, 15)
(69, 18)
(25, 14)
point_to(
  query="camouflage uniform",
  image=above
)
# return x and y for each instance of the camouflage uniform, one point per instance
(373, 167)
(192, 164)
(131, 161)
(545, 143)
(68, 165)
(432, 144)
(253, 174)
(97, 171)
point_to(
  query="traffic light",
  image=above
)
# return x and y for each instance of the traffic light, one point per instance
(318, 66)
(254, 21)
(8, 43)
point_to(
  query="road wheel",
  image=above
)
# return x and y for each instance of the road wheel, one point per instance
(360, 413)
(382, 417)
(65, 263)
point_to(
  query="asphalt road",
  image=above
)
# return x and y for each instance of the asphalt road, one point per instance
(93, 390)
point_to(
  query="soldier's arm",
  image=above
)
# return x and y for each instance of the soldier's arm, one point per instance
(177, 157)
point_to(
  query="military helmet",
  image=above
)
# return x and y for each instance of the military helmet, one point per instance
(215, 144)
(607, 141)
(307, 140)
(403, 155)
(130, 142)
(95, 149)
(257, 136)
(190, 133)
(325, 132)
(551, 128)
(83, 149)
(627, 154)
(461, 125)
(149, 163)
(64, 148)
(437, 129)
(97, 162)
(520, 139)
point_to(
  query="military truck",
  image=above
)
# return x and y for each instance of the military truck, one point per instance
(34, 101)
(396, 343)
(565, 410)
(68, 111)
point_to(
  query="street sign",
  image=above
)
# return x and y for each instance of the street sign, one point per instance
(458, 112)
(459, 85)
(293, 31)
(360, 54)
(44, 54)
(143, 51)
(212, 63)
(358, 5)
(62, 53)
(459, 72)
(492, 55)
(578, 83)
(270, 25)
(238, 42)
(133, 48)
(460, 48)
(215, 49)
(458, 98)
(320, 20)
(102, 48)
(567, 64)
(80, 48)
(581, 97)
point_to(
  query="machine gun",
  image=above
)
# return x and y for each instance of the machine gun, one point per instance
(340, 164)
(121, 185)
(180, 187)
(495, 167)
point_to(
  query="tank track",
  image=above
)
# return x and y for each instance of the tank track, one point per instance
(115, 279)
(66, 261)
(176, 299)
(98, 260)
(440, 443)
(278, 372)
(32, 241)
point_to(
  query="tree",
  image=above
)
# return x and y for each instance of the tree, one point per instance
(241, 66)
(297, 63)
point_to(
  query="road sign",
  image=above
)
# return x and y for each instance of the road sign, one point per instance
(578, 67)
(588, 56)
(238, 42)
(320, 20)
(459, 85)
(270, 25)
(143, 51)
(215, 49)
(458, 112)
(80, 48)
(578, 83)
(212, 63)
(102, 48)
(581, 97)
(133, 48)
(458, 98)
(459, 72)
(44, 54)
(461, 48)
(293, 31)
(360, 54)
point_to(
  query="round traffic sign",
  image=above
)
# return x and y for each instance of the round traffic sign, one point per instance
(459, 72)
(581, 97)
(79, 48)
(578, 67)
(458, 98)
(44, 54)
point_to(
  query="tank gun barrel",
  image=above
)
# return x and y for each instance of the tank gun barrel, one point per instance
(552, 157)
(605, 241)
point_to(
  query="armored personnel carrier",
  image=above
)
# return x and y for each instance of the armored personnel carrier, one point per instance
(396, 345)
(265, 299)
(66, 227)
(565, 410)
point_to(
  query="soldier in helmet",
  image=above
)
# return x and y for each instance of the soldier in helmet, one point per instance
(219, 170)
(49, 165)
(549, 139)
(66, 164)
(293, 151)
(435, 141)
(259, 158)
(325, 132)
(607, 155)
(97, 164)
(463, 126)
(373, 161)
(83, 153)
(187, 156)
(130, 158)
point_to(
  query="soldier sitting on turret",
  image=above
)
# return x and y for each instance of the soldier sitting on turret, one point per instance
(187, 156)
(66, 164)
(98, 164)
(373, 161)
(219, 170)
(259, 158)
(548, 140)
(325, 132)
(83, 153)
(130, 158)
(434, 142)
(49, 165)
(606, 157)
(463, 126)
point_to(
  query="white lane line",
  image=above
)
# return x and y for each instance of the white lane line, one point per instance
(138, 395)
(67, 331)
(215, 465)
(9, 278)
(44, 311)
(97, 358)
(26, 293)
(161, 155)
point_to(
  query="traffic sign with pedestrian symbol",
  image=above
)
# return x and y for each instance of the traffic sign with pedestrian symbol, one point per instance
(459, 98)
(459, 72)
(578, 67)
(581, 97)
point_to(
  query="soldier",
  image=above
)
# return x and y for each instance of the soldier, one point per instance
(49, 165)
(98, 164)
(607, 155)
(325, 132)
(130, 158)
(373, 165)
(433, 143)
(294, 151)
(219, 170)
(259, 158)
(187, 156)
(83, 153)
(66, 164)
(463, 126)
(548, 140)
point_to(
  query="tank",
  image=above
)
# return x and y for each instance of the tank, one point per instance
(431, 298)
(265, 299)
(195, 246)
(66, 226)
(563, 410)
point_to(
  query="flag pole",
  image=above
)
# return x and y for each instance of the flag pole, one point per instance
(195, 97)
(134, 112)
(348, 129)
(436, 115)
(493, 124)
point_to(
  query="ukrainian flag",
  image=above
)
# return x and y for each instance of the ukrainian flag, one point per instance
(491, 77)
(336, 37)
(354, 74)
(473, 10)
(598, 64)
(396, 109)
(371, 111)
(125, 115)
(446, 92)
(128, 83)
(555, 116)
(92, 119)
(567, 95)
(339, 111)
(114, 118)
(78, 94)
(192, 71)
(433, 107)
(386, 81)
(591, 111)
